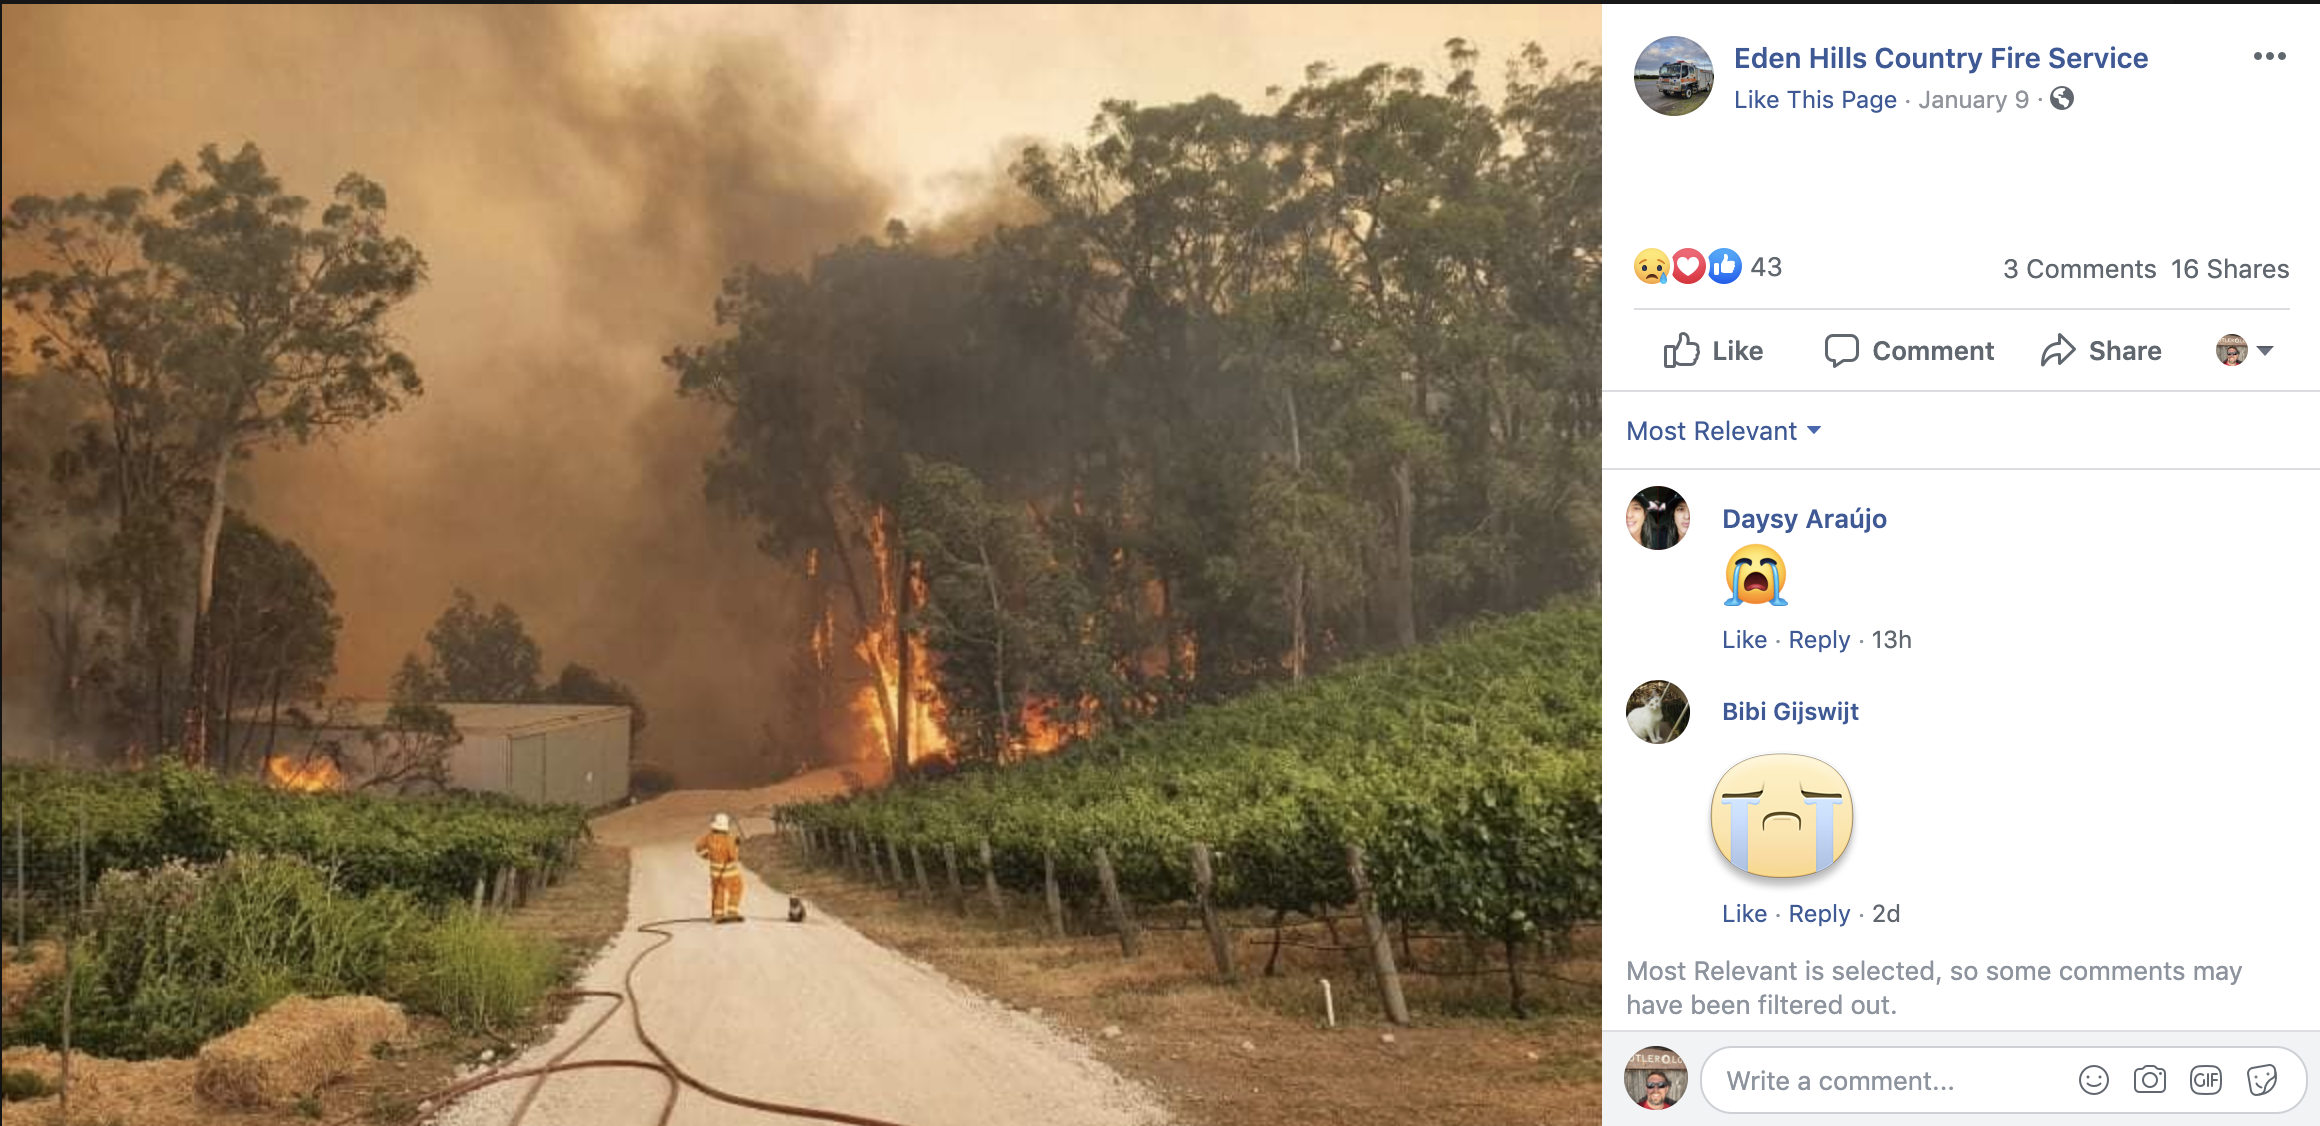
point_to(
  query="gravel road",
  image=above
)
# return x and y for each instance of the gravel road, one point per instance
(813, 1015)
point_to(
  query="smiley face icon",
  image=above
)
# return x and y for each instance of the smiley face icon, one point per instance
(1781, 815)
(1754, 575)
(1651, 267)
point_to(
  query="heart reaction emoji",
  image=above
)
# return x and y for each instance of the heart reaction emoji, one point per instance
(1690, 266)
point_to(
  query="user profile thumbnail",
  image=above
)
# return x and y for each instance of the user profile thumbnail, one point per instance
(1655, 1078)
(2232, 350)
(1673, 76)
(1658, 712)
(1658, 518)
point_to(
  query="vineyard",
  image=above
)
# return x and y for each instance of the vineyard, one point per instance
(1461, 783)
(435, 848)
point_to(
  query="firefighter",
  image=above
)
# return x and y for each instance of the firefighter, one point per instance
(719, 846)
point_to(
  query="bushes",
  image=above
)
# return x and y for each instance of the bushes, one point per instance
(179, 954)
(477, 974)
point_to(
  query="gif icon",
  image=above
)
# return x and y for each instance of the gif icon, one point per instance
(2206, 1079)
(2150, 1080)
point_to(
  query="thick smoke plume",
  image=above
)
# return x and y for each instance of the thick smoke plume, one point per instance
(578, 195)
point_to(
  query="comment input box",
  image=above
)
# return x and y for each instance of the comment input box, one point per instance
(1990, 1080)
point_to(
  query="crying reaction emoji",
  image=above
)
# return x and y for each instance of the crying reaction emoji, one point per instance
(1651, 267)
(1781, 815)
(1756, 574)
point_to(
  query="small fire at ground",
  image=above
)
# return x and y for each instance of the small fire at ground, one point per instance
(310, 775)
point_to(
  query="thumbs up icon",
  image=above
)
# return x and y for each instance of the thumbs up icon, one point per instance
(1682, 354)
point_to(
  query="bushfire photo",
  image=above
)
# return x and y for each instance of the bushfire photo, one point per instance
(904, 566)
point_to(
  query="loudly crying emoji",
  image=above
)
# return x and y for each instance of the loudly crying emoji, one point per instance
(1651, 267)
(1756, 574)
(1781, 815)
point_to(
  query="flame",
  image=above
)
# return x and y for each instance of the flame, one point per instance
(316, 774)
(922, 711)
(1042, 732)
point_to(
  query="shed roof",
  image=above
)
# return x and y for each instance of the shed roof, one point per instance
(481, 719)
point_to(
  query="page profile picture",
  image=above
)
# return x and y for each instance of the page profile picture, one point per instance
(1781, 815)
(1673, 76)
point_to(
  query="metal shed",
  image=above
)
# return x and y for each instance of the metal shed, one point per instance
(574, 754)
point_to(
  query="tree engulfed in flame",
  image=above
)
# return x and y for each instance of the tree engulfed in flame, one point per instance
(316, 773)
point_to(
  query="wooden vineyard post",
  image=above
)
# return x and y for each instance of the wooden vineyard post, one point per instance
(1203, 891)
(1054, 896)
(1131, 942)
(877, 865)
(894, 854)
(918, 869)
(1381, 945)
(951, 870)
(991, 880)
(853, 860)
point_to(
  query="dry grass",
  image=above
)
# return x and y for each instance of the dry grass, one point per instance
(300, 1045)
(1257, 1053)
(580, 914)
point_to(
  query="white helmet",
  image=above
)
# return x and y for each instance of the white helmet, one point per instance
(721, 824)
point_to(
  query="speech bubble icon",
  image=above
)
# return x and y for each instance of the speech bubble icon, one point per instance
(1841, 348)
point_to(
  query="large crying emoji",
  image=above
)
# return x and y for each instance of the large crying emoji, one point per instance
(1781, 815)
(1756, 574)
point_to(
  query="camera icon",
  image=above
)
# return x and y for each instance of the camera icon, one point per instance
(2150, 1080)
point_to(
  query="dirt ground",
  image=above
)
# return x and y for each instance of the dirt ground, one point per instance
(580, 914)
(1255, 1054)
(813, 1015)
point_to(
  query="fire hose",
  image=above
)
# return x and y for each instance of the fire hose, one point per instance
(675, 1075)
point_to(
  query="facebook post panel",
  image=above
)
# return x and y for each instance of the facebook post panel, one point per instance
(1959, 431)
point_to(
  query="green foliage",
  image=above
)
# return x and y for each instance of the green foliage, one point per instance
(210, 316)
(21, 1084)
(478, 975)
(1470, 772)
(579, 684)
(273, 632)
(431, 847)
(178, 954)
(474, 656)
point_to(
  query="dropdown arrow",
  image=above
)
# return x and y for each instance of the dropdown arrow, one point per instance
(1814, 429)
(2266, 349)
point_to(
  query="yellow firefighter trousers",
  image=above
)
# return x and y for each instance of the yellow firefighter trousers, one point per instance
(724, 890)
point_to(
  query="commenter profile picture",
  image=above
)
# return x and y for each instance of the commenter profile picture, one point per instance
(2232, 350)
(1673, 76)
(1655, 1078)
(1658, 518)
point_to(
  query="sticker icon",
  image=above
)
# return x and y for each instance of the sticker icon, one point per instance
(1724, 267)
(1651, 267)
(1689, 266)
(1782, 816)
(1755, 574)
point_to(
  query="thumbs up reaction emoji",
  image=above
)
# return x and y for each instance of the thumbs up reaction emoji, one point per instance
(1682, 354)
